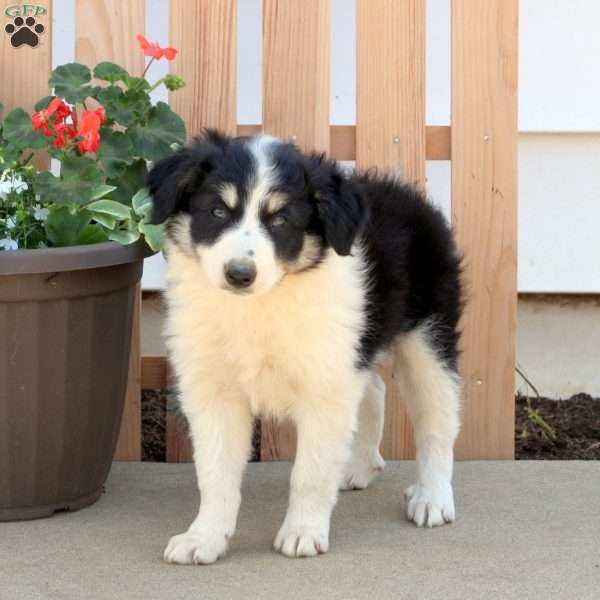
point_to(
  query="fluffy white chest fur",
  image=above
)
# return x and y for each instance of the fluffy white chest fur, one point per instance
(278, 349)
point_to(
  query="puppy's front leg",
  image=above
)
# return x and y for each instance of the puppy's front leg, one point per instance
(221, 433)
(324, 437)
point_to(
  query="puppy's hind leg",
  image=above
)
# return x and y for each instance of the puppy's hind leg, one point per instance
(431, 389)
(365, 461)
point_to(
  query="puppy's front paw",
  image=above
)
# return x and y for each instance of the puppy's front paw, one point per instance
(196, 548)
(430, 507)
(296, 539)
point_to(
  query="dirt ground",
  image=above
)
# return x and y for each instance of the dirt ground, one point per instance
(575, 422)
(154, 425)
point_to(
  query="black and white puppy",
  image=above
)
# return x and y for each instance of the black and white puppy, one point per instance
(289, 283)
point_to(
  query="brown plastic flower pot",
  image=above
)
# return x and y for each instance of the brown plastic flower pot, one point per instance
(65, 332)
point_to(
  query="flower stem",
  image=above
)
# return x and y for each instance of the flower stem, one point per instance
(159, 82)
(26, 161)
(147, 67)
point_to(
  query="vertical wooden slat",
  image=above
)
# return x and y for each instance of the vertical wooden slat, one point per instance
(484, 208)
(390, 119)
(205, 33)
(154, 372)
(296, 39)
(277, 440)
(390, 132)
(106, 30)
(24, 71)
(296, 71)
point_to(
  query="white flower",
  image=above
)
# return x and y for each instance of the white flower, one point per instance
(8, 244)
(11, 183)
(19, 185)
(10, 223)
(40, 214)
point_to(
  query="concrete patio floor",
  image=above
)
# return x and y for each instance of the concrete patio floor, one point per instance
(524, 530)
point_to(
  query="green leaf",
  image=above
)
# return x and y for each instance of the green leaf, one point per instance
(108, 94)
(152, 141)
(110, 72)
(105, 220)
(131, 180)
(115, 152)
(70, 82)
(153, 234)
(43, 103)
(124, 237)
(142, 203)
(137, 84)
(102, 190)
(110, 207)
(81, 168)
(92, 234)
(17, 130)
(57, 190)
(65, 227)
(126, 108)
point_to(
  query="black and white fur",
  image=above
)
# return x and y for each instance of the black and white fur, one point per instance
(289, 283)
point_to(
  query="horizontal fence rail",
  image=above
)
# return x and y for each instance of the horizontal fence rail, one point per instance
(342, 141)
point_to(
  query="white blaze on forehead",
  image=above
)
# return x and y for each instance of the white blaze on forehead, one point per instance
(248, 237)
(264, 179)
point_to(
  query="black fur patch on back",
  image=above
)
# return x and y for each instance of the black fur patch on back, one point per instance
(414, 269)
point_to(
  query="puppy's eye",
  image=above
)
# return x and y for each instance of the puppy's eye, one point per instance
(219, 212)
(278, 221)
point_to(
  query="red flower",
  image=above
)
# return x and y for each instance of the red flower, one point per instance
(101, 113)
(169, 53)
(154, 50)
(88, 128)
(89, 122)
(90, 143)
(41, 119)
(63, 132)
(59, 142)
(59, 107)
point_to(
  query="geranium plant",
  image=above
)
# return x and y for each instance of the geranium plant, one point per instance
(103, 130)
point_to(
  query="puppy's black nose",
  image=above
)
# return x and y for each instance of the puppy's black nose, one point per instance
(240, 273)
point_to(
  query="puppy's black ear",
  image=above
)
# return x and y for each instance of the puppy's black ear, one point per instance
(172, 180)
(340, 204)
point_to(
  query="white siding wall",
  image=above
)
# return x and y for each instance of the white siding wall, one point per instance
(559, 213)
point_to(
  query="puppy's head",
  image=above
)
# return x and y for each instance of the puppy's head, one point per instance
(254, 210)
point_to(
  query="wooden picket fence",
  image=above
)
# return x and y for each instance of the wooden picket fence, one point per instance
(390, 132)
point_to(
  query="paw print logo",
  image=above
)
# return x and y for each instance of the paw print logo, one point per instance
(24, 31)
